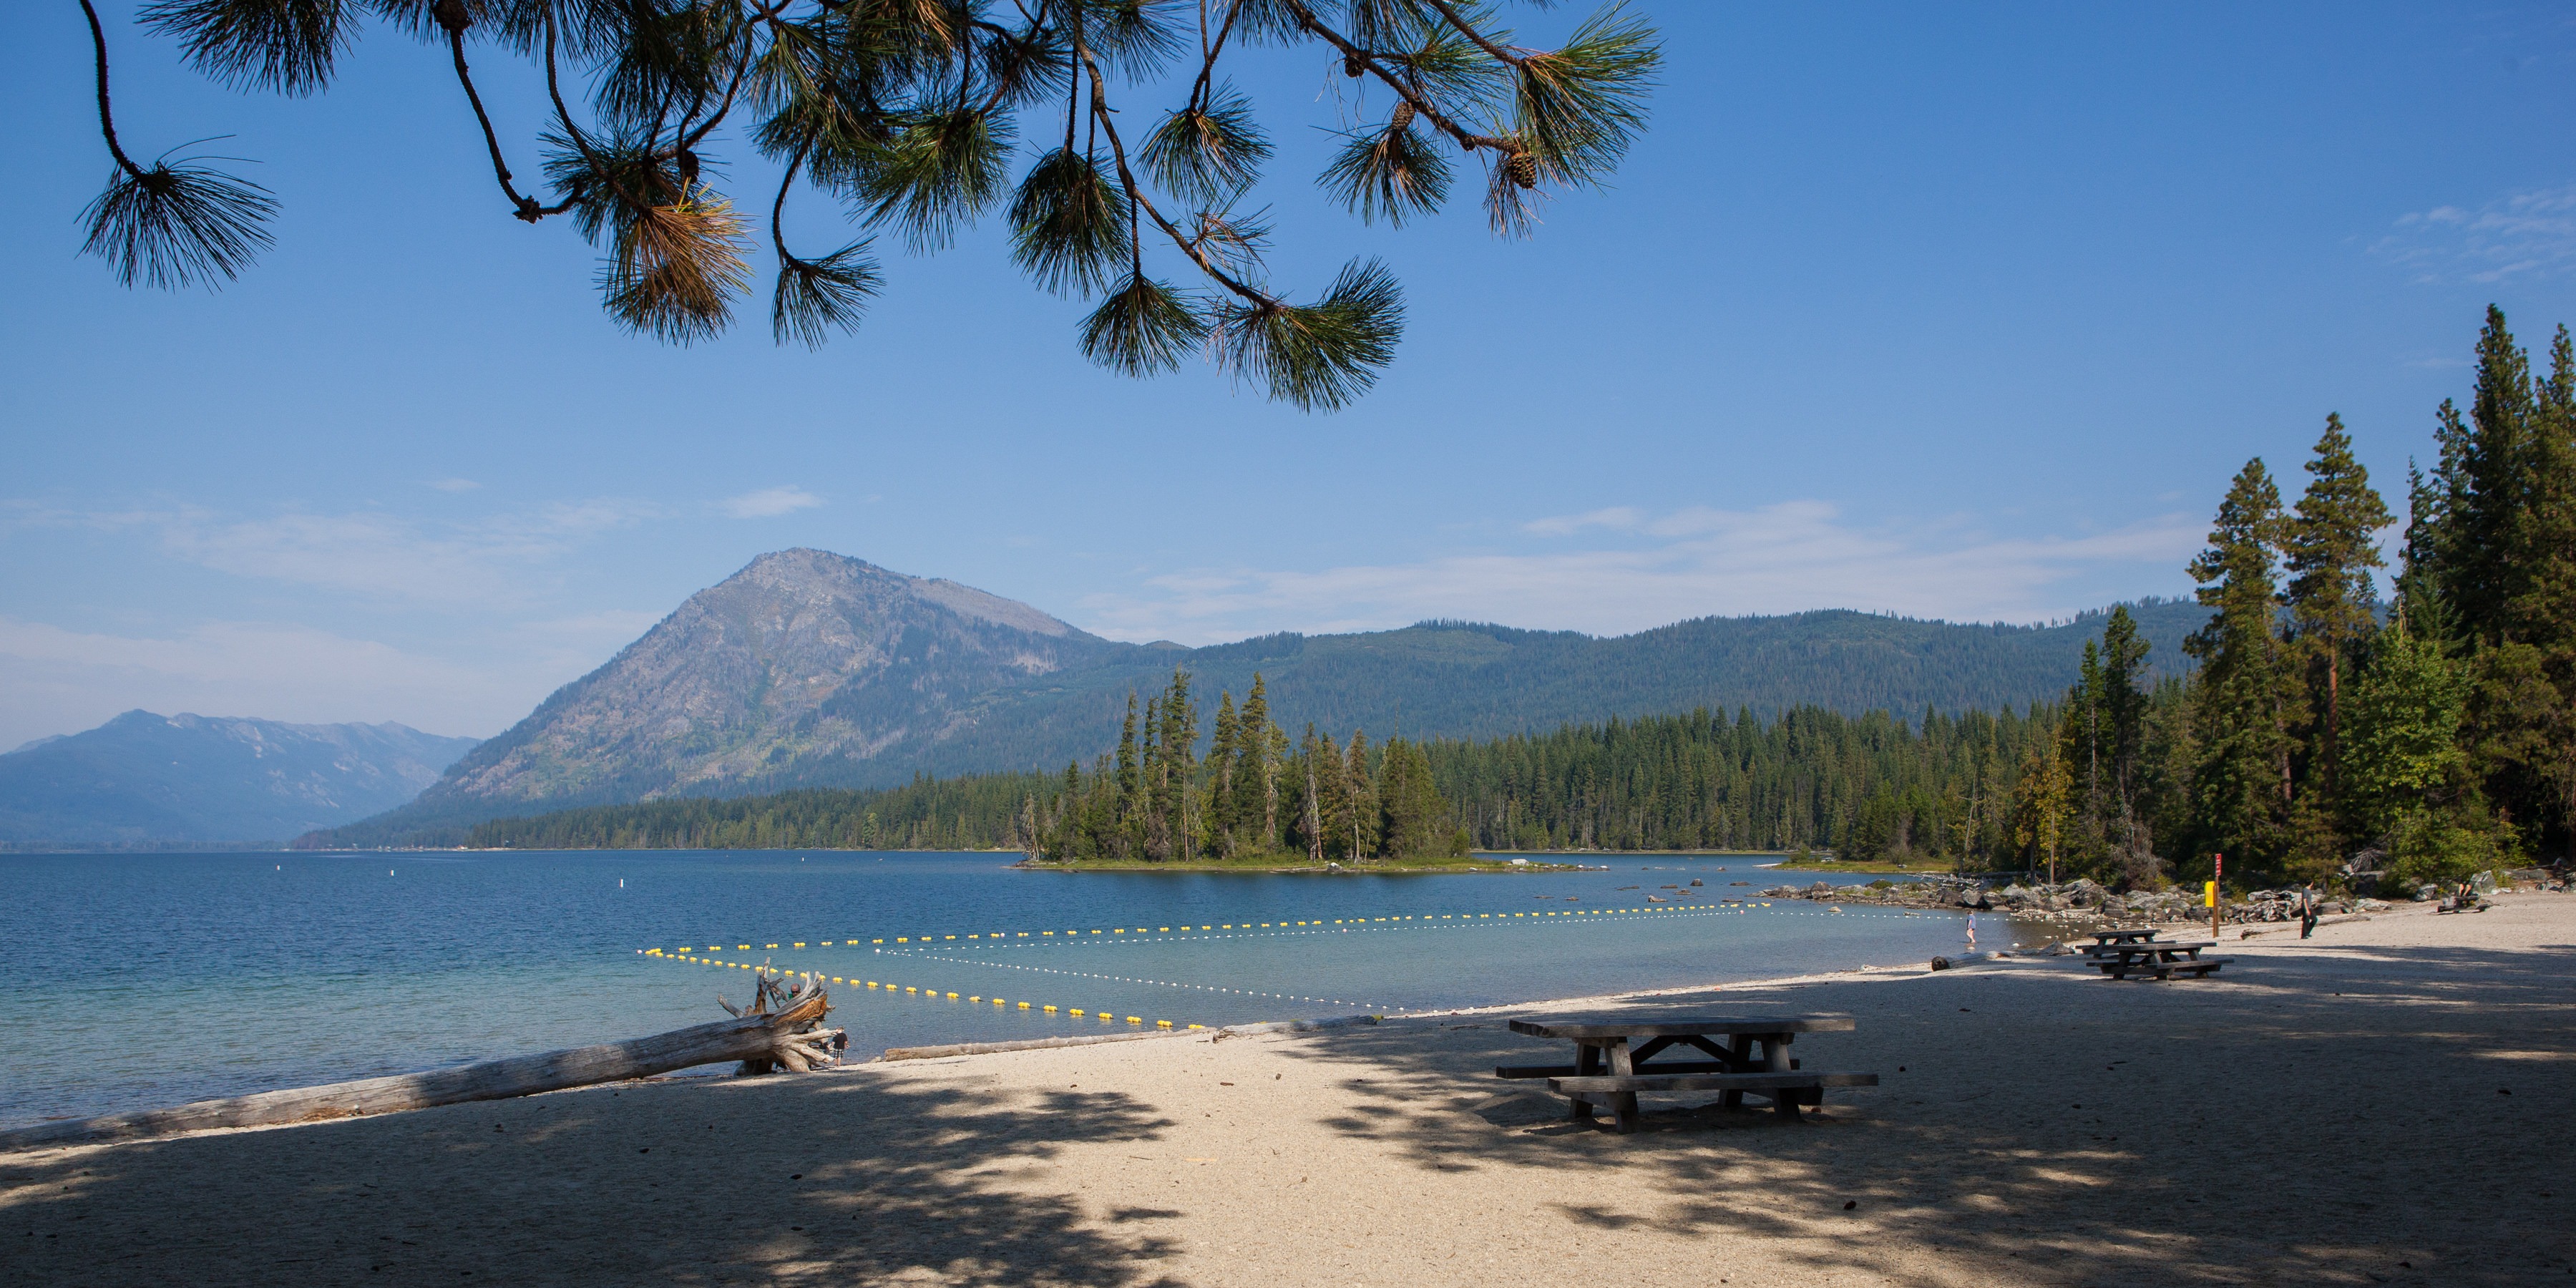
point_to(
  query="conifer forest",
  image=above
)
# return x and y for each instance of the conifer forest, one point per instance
(2341, 713)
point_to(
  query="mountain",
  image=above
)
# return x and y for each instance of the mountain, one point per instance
(811, 669)
(803, 662)
(145, 779)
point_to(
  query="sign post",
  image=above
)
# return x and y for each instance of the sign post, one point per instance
(2217, 873)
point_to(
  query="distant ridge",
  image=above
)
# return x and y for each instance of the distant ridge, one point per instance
(145, 780)
(812, 669)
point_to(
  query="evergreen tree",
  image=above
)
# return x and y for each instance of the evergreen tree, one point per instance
(2041, 803)
(1411, 815)
(2103, 737)
(1360, 814)
(906, 113)
(1125, 821)
(2242, 787)
(2403, 753)
(2494, 538)
(1312, 820)
(2330, 550)
(1223, 755)
(1260, 745)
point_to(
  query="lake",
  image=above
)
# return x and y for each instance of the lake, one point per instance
(134, 981)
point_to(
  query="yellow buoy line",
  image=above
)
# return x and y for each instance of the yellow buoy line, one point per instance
(1220, 930)
(1104, 1014)
(1348, 925)
(1130, 979)
(1426, 921)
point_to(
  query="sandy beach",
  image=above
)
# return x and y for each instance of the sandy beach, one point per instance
(2387, 1103)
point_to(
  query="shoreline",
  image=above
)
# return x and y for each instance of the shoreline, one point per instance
(1300, 867)
(2365, 1106)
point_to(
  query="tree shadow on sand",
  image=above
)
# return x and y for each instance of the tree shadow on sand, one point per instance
(2350, 1116)
(843, 1178)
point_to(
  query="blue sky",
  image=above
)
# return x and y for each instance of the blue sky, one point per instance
(1952, 311)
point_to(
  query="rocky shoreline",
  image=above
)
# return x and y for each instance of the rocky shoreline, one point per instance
(2080, 901)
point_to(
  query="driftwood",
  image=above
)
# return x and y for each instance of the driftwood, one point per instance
(791, 1036)
(796, 1049)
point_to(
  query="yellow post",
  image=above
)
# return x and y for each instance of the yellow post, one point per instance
(2217, 873)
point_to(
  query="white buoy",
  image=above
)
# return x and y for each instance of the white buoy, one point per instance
(621, 883)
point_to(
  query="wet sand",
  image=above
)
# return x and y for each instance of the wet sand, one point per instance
(2388, 1103)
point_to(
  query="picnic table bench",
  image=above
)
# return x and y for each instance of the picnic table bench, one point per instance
(1614, 1059)
(2162, 958)
(2124, 935)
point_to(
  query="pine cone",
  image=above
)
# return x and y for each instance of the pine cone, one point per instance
(1403, 117)
(1351, 65)
(1522, 169)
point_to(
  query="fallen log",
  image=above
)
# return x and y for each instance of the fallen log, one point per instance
(791, 1037)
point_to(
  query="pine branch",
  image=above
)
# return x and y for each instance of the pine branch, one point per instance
(168, 225)
(284, 45)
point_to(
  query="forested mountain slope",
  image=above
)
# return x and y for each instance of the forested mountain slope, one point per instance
(810, 669)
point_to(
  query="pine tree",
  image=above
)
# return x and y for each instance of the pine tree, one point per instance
(2403, 752)
(906, 114)
(1223, 754)
(1360, 815)
(1314, 822)
(2481, 478)
(1260, 744)
(1410, 810)
(1126, 813)
(2041, 805)
(2494, 538)
(2330, 550)
(2242, 787)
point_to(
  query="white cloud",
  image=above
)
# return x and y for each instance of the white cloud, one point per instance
(1690, 563)
(1620, 517)
(770, 502)
(2525, 234)
(454, 485)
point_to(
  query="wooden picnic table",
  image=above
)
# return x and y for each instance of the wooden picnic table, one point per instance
(2149, 947)
(2124, 934)
(2162, 958)
(1614, 1059)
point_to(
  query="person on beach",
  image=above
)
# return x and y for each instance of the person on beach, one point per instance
(2307, 912)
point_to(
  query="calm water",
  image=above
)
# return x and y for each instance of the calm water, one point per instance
(139, 980)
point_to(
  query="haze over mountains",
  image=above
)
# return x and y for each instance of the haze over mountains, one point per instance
(809, 668)
(146, 779)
